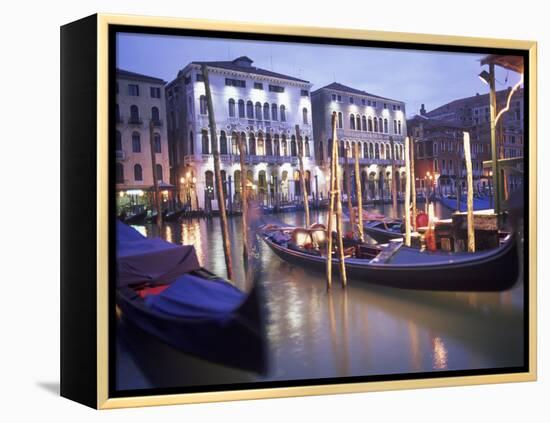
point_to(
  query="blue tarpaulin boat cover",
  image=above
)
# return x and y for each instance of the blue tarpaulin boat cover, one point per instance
(153, 261)
(195, 298)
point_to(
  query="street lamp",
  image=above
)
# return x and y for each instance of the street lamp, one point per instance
(485, 77)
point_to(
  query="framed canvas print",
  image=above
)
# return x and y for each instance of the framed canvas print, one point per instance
(253, 211)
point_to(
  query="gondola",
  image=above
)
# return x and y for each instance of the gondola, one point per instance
(162, 289)
(379, 227)
(136, 219)
(384, 230)
(480, 203)
(398, 266)
(153, 216)
(174, 216)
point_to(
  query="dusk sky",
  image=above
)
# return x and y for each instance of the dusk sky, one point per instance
(415, 77)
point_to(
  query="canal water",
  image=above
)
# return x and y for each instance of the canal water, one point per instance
(363, 330)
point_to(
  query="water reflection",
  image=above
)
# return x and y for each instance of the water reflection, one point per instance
(363, 330)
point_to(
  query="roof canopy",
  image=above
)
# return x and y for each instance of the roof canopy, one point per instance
(513, 63)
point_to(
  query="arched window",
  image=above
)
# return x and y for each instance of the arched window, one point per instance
(223, 175)
(241, 108)
(340, 120)
(249, 110)
(375, 124)
(252, 145)
(386, 130)
(119, 173)
(138, 173)
(342, 151)
(306, 148)
(366, 150)
(134, 114)
(376, 150)
(388, 156)
(237, 180)
(284, 146)
(364, 123)
(293, 151)
(203, 108)
(117, 114)
(266, 111)
(118, 141)
(258, 111)
(370, 124)
(399, 127)
(351, 122)
(245, 144)
(297, 185)
(234, 144)
(261, 145)
(276, 149)
(274, 112)
(223, 143)
(358, 122)
(191, 143)
(304, 116)
(283, 113)
(159, 173)
(136, 142)
(205, 142)
(268, 145)
(209, 182)
(155, 116)
(262, 182)
(231, 107)
(395, 127)
(156, 143)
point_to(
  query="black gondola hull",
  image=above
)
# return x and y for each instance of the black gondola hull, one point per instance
(494, 271)
(237, 342)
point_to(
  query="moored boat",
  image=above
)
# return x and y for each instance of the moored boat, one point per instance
(162, 289)
(399, 266)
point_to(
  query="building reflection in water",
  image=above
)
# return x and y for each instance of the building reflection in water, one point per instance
(439, 354)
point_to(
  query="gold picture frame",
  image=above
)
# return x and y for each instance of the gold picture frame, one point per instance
(102, 398)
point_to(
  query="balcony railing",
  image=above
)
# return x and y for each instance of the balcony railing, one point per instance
(157, 123)
(250, 159)
(135, 120)
(120, 155)
(367, 161)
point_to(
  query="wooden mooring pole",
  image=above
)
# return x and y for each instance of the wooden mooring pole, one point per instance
(413, 181)
(244, 195)
(217, 174)
(154, 173)
(348, 184)
(470, 193)
(358, 190)
(407, 194)
(335, 200)
(393, 179)
(302, 174)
